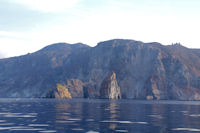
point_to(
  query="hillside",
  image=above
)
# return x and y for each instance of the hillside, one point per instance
(134, 69)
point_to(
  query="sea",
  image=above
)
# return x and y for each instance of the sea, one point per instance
(98, 116)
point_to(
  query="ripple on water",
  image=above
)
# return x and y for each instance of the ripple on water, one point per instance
(187, 129)
(21, 128)
(124, 122)
(65, 113)
(8, 113)
(184, 112)
(139, 122)
(77, 129)
(4, 128)
(92, 132)
(26, 129)
(27, 115)
(156, 116)
(23, 116)
(34, 120)
(110, 121)
(48, 131)
(74, 119)
(122, 131)
(38, 125)
(89, 120)
(6, 124)
(65, 121)
(195, 115)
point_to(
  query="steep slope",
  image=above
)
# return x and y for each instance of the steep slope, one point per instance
(144, 71)
(32, 75)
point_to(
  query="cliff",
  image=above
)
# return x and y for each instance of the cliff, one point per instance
(141, 71)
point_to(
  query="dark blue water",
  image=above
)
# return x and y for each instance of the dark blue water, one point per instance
(93, 116)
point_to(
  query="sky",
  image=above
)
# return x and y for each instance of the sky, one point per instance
(29, 25)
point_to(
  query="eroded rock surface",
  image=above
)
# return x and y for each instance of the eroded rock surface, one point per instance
(143, 70)
(62, 92)
(109, 87)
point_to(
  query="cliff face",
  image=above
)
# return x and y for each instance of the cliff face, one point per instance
(143, 70)
(109, 88)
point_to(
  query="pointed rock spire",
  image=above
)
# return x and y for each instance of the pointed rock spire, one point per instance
(109, 87)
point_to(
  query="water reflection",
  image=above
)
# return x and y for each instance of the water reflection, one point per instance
(113, 107)
(81, 116)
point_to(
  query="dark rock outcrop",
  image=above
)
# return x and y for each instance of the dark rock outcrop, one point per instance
(144, 71)
(109, 88)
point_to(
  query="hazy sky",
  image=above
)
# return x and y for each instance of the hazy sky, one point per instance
(28, 25)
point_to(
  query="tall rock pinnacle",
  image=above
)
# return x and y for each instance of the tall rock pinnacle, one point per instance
(109, 87)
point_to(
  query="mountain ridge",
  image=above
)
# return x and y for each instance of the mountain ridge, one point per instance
(143, 71)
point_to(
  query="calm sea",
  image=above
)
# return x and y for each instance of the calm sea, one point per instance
(98, 116)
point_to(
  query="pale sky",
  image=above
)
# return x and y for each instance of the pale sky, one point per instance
(29, 25)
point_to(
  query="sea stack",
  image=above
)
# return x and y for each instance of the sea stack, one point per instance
(109, 87)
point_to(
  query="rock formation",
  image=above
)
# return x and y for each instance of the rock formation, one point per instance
(144, 71)
(62, 92)
(69, 89)
(109, 87)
